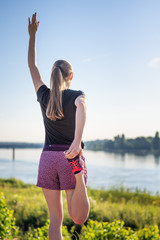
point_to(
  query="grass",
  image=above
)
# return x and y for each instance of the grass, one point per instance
(137, 209)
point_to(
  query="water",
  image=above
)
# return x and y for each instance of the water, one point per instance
(105, 170)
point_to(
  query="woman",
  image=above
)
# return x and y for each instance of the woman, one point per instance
(62, 163)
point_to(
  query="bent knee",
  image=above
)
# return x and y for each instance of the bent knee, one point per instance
(79, 220)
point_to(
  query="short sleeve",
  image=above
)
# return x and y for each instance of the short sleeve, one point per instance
(42, 93)
(77, 93)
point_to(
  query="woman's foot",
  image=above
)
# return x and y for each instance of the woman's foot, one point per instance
(76, 164)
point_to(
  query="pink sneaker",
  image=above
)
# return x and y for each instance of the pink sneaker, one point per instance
(76, 164)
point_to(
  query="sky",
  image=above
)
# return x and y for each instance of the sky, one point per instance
(114, 48)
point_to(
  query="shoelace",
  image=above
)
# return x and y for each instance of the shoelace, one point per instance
(76, 165)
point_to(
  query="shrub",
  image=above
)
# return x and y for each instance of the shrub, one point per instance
(42, 233)
(7, 221)
(13, 182)
(104, 230)
(149, 233)
(117, 231)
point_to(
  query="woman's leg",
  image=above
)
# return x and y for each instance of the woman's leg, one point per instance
(54, 202)
(77, 200)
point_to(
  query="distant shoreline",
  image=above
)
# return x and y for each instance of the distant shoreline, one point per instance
(121, 145)
(137, 153)
(20, 145)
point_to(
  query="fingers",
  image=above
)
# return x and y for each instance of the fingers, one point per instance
(71, 153)
(34, 17)
(33, 24)
(68, 153)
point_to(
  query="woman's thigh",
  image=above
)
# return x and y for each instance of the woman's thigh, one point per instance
(54, 202)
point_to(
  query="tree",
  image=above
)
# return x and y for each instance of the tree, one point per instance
(142, 143)
(156, 141)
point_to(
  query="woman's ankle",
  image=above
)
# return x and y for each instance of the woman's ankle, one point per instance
(79, 177)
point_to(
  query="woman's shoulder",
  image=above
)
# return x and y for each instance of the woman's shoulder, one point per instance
(43, 86)
(42, 93)
(74, 92)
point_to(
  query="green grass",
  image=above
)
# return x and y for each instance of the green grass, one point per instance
(137, 209)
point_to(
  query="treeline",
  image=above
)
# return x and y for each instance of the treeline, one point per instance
(138, 145)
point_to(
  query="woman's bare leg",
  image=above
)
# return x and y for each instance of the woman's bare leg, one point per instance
(54, 202)
(77, 200)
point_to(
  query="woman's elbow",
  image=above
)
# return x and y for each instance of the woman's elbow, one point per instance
(82, 105)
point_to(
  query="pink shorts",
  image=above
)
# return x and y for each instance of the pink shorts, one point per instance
(54, 171)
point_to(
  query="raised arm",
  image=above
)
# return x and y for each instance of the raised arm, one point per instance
(80, 121)
(35, 74)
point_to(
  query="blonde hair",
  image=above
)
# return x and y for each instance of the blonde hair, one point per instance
(59, 81)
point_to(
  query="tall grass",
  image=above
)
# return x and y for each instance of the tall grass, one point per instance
(137, 209)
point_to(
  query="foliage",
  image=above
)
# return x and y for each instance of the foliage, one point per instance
(139, 145)
(116, 230)
(7, 221)
(42, 233)
(13, 182)
(149, 233)
(107, 231)
(137, 213)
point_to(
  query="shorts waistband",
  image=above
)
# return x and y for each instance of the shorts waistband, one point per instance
(56, 147)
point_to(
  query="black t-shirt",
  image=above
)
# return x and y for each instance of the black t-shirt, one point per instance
(62, 130)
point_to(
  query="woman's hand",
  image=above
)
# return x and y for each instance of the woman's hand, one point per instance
(33, 25)
(74, 150)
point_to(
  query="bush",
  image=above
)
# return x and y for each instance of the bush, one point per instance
(42, 233)
(13, 182)
(104, 230)
(136, 210)
(7, 221)
(149, 233)
(117, 231)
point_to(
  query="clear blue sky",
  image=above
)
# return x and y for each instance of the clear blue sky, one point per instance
(114, 47)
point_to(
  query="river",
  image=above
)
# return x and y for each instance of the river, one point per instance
(105, 170)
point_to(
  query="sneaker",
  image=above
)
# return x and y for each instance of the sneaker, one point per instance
(76, 164)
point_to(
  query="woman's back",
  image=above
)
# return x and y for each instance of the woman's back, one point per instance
(62, 130)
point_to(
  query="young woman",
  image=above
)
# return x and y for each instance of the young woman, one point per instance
(62, 163)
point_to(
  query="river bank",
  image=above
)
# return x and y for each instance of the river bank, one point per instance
(137, 209)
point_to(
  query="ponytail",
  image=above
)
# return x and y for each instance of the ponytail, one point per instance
(58, 82)
(54, 109)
